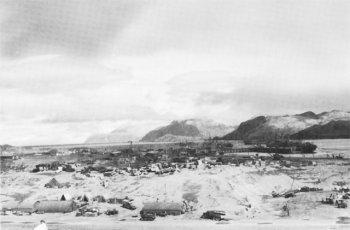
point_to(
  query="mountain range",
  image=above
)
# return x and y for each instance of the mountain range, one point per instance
(308, 125)
(184, 130)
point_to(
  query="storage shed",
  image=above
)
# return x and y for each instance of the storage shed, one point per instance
(54, 206)
(161, 208)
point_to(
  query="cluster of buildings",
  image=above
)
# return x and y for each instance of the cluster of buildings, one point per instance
(86, 205)
(135, 162)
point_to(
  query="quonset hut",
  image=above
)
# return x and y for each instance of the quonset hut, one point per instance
(52, 206)
(161, 208)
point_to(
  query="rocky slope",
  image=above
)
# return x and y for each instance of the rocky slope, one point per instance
(247, 128)
(266, 128)
(187, 130)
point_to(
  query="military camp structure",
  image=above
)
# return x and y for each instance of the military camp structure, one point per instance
(55, 206)
(161, 208)
(66, 196)
(87, 197)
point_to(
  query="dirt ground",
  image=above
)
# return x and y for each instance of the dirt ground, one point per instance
(244, 192)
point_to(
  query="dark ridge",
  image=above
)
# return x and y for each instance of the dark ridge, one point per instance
(331, 130)
(245, 129)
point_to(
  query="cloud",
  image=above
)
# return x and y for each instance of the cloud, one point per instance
(55, 74)
(247, 28)
(274, 96)
(129, 27)
(93, 112)
(78, 27)
(231, 99)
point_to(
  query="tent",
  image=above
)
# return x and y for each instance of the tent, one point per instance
(66, 196)
(55, 206)
(86, 197)
(53, 184)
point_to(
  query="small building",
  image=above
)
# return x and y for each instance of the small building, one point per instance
(115, 153)
(7, 154)
(164, 158)
(55, 206)
(124, 161)
(63, 152)
(161, 208)
(133, 159)
(208, 159)
(100, 199)
(24, 207)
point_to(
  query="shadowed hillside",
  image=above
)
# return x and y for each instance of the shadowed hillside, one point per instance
(331, 130)
(308, 125)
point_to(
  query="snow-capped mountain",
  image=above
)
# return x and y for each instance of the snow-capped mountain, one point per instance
(190, 130)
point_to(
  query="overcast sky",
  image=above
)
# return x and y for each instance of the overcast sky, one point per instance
(72, 68)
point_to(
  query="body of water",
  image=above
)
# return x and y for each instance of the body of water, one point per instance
(332, 146)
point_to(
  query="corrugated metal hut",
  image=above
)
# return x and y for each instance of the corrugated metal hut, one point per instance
(52, 206)
(169, 208)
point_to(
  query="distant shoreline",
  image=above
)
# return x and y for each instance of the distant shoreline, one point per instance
(144, 143)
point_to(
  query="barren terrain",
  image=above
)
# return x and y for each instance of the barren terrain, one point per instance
(244, 192)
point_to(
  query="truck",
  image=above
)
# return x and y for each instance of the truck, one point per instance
(328, 200)
(147, 216)
(341, 204)
(128, 205)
